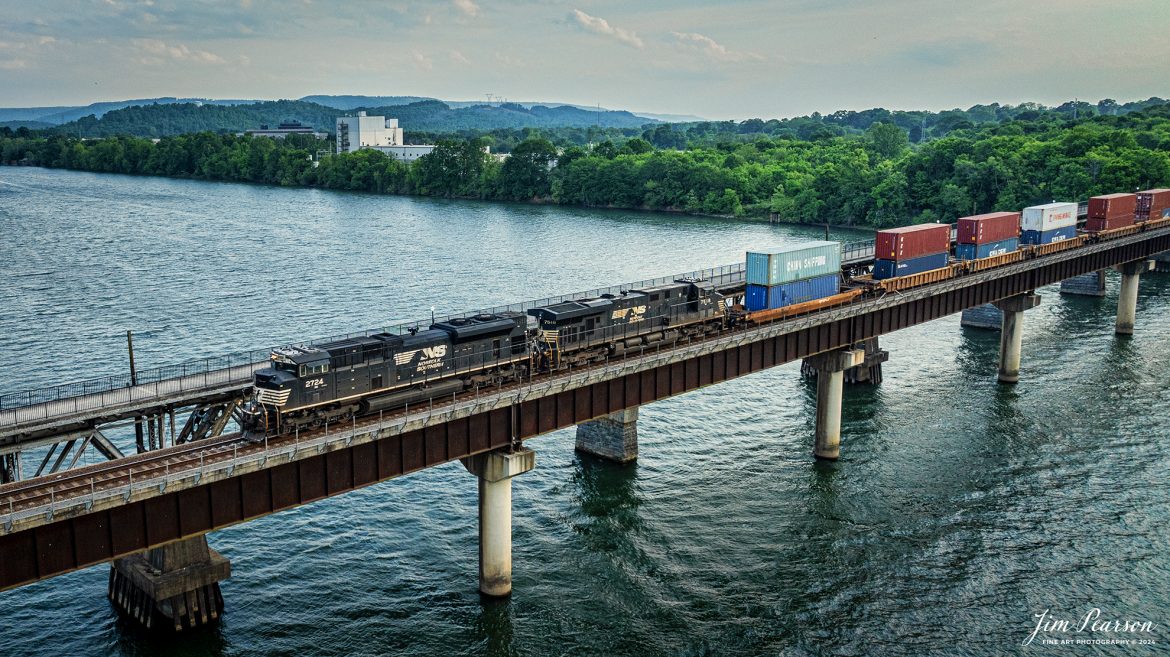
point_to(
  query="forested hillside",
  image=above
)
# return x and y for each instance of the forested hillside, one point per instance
(875, 177)
(162, 120)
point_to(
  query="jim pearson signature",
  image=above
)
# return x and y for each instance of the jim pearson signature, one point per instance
(1048, 625)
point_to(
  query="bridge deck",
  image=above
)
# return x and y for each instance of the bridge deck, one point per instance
(124, 402)
(36, 413)
(84, 404)
(68, 520)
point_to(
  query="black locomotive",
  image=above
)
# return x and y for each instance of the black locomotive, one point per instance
(312, 385)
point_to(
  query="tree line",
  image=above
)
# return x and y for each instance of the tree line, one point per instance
(877, 177)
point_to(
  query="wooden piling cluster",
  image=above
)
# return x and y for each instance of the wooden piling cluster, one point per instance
(175, 587)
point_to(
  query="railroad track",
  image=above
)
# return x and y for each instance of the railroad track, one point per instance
(64, 488)
(74, 485)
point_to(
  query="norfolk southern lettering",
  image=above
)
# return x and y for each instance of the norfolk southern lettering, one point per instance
(311, 385)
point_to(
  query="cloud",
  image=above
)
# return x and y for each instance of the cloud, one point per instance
(158, 51)
(458, 57)
(712, 48)
(602, 27)
(467, 7)
(946, 54)
(508, 60)
(12, 64)
(421, 61)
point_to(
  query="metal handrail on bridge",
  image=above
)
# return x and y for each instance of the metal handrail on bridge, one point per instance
(195, 374)
(154, 383)
(216, 460)
(213, 460)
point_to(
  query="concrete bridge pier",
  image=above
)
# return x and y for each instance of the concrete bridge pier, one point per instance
(1127, 299)
(830, 368)
(495, 471)
(613, 437)
(1086, 285)
(869, 371)
(1011, 336)
(174, 587)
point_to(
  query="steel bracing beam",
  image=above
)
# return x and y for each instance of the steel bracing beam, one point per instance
(65, 451)
(207, 421)
(105, 447)
(9, 468)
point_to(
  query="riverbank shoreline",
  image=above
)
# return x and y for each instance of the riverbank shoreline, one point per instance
(755, 219)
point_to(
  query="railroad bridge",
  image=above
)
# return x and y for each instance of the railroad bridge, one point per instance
(149, 512)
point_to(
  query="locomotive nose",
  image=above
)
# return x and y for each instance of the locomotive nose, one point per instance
(270, 389)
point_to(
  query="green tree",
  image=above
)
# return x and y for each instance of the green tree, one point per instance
(888, 141)
(525, 174)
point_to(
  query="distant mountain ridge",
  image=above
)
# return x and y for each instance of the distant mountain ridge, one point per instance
(57, 115)
(171, 118)
(64, 114)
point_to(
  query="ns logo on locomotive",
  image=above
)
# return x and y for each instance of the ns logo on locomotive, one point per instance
(310, 385)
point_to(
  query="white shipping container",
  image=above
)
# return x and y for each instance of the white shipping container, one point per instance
(1049, 216)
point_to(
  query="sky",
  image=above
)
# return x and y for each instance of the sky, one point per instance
(733, 59)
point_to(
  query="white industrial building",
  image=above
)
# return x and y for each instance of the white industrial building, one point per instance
(378, 133)
(283, 130)
(407, 152)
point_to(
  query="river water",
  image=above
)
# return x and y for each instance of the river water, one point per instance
(960, 509)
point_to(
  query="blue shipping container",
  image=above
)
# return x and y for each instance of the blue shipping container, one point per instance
(1048, 236)
(793, 262)
(974, 251)
(893, 268)
(766, 297)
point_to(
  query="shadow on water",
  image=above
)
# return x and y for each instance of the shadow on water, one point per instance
(495, 623)
(130, 638)
(608, 499)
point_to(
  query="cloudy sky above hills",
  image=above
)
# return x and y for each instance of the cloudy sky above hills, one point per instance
(729, 59)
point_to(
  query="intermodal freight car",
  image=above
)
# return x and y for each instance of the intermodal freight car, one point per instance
(313, 385)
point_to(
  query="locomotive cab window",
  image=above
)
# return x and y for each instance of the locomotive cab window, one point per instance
(313, 369)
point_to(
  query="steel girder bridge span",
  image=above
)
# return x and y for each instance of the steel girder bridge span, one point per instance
(149, 512)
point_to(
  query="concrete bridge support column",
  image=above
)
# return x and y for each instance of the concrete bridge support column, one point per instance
(1086, 285)
(613, 437)
(869, 371)
(495, 471)
(1127, 299)
(1012, 334)
(830, 368)
(174, 587)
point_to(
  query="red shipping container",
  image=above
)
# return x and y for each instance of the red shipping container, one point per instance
(1095, 224)
(987, 228)
(1152, 203)
(912, 241)
(1112, 206)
